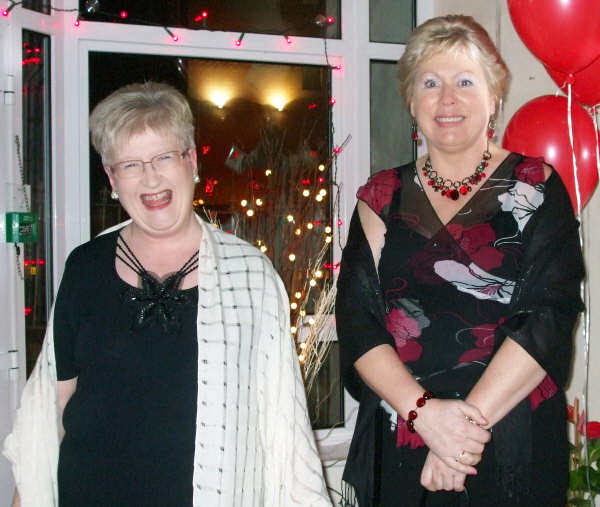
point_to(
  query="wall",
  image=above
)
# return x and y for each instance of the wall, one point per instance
(529, 80)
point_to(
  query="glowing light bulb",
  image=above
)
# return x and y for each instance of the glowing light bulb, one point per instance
(306, 192)
(292, 257)
(244, 202)
(340, 222)
(323, 192)
(332, 100)
(290, 218)
(337, 150)
(312, 283)
(321, 167)
(318, 198)
(301, 358)
(76, 23)
(293, 305)
(328, 229)
(311, 322)
(293, 329)
(303, 345)
(309, 225)
(250, 212)
(330, 20)
(259, 202)
(321, 179)
(263, 248)
(268, 172)
(123, 14)
(319, 273)
(298, 231)
(328, 239)
(298, 295)
(302, 313)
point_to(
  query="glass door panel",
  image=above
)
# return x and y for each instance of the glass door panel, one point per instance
(35, 167)
(263, 139)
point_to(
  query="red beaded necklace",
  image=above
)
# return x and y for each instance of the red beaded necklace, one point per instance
(454, 189)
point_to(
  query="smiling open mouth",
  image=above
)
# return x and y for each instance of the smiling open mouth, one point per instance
(449, 119)
(157, 200)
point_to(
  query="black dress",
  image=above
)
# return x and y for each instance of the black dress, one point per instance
(451, 293)
(130, 425)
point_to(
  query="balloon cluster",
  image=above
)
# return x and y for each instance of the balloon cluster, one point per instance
(565, 36)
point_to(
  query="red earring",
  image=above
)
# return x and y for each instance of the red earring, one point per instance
(414, 131)
(491, 128)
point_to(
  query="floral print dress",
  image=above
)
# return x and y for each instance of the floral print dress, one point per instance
(447, 290)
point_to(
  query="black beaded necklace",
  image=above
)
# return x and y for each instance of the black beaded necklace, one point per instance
(453, 189)
(156, 301)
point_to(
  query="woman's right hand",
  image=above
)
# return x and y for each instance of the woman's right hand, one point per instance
(452, 430)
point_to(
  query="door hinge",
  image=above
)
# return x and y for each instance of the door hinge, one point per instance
(9, 90)
(9, 360)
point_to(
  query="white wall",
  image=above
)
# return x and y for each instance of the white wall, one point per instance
(529, 80)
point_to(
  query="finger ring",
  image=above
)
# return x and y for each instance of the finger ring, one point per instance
(469, 419)
(459, 457)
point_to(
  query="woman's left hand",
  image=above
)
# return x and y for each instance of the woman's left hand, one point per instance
(436, 475)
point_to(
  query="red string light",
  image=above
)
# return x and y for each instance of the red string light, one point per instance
(76, 23)
(5, 13)
(330, 20)
(238, 41)
(332, 100)
(287, 39)
(202, 16)
(123, 14)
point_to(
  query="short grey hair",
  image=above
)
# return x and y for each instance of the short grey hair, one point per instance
(452, 33)
(136, 107)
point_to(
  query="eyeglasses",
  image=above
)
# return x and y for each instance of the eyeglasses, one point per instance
(162, 163)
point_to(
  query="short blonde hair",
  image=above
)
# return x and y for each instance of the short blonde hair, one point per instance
(136, 107)
(448, 34)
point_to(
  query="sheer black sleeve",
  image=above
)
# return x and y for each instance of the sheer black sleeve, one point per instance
(360, 309)
(546, 301)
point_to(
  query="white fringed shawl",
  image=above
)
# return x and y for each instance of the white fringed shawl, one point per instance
(254, 444)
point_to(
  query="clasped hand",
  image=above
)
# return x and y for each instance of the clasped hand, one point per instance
(452, 429)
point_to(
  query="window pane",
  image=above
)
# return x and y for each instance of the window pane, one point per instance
(281, 17)
(391, 21)
(42, 6)
(325, 400)
(37, 268)
(263, 142)
(391, 142)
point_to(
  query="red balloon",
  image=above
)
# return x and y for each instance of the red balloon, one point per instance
(563, 34)
(585, 84)
(540, 129)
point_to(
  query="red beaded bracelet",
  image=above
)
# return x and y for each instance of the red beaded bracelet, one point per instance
(412, 415)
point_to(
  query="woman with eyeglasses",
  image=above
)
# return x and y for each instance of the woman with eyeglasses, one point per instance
(168, 375)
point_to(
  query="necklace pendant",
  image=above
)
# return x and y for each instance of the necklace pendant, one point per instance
(464, 189)
(453, 194)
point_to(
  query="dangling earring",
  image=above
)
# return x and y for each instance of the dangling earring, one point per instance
(491, 127)
(114, 195)
(196, 178)
(414, 131)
